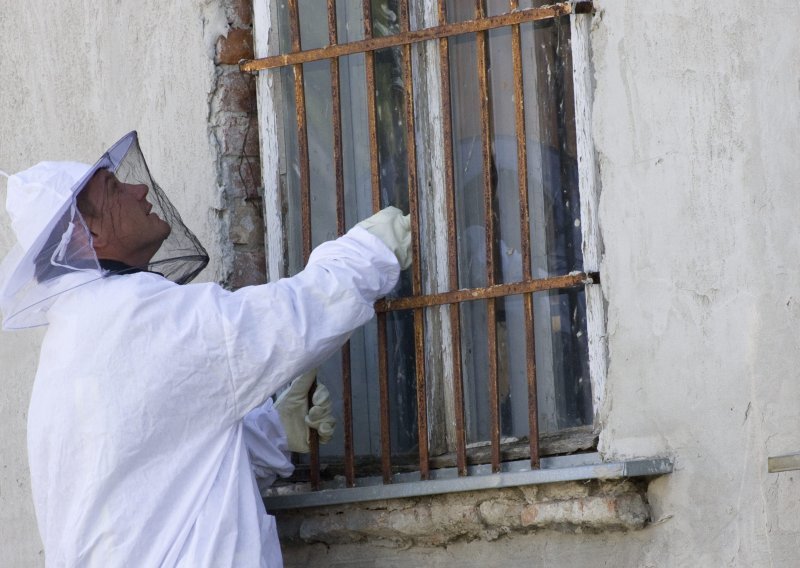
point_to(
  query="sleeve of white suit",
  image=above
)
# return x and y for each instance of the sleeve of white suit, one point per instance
(266, 444)
(277, 331)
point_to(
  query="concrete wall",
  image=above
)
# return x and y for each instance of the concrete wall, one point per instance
(74, 77)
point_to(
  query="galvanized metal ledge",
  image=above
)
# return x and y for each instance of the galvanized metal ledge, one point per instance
(578, 467)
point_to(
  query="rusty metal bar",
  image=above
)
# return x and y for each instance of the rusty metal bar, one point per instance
(498, 290)
(452, 244)
(371, 44)
(416, 270)
(383, 379)
(525, 240)
(305, 194)
(383, 354)
(482, 49)
(341, 228)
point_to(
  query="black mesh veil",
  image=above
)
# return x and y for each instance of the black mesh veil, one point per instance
(181, 256)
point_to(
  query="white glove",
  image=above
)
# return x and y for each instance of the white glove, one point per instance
(297, 418)
(394, 229)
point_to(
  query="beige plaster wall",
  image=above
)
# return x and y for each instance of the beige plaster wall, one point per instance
(74, 77)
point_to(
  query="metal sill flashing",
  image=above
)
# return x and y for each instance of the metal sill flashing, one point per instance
(578, 467)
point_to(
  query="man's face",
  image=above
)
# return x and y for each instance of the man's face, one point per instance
(120, 219)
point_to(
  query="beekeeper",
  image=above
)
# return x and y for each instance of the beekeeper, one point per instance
(140, 453)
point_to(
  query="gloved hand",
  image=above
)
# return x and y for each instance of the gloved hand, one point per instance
(394, 229)
(297, 418)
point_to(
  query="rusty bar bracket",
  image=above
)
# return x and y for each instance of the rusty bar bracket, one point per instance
(371, 44)
(498, 290)
(452, 244)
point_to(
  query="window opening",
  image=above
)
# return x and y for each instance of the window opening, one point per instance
(512, 328)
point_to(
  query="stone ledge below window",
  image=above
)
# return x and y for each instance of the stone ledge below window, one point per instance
(569, 498)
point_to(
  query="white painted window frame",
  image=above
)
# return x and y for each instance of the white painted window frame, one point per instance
(430, 172)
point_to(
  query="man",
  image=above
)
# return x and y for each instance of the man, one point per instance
(137, 441)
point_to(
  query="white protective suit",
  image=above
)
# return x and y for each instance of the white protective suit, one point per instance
(136, 437)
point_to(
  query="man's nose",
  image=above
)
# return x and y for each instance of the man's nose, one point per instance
(139, 190)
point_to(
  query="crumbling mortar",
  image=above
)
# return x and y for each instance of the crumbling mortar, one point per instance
(594, 507)
(241, 245)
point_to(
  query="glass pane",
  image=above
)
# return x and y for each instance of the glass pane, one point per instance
(562, 360)
(551, 145)
(565, 395)
(460, 10)
(560, 325)
(313, 23)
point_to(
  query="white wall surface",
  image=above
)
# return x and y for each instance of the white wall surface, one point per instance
(74, 77)
(696, 121)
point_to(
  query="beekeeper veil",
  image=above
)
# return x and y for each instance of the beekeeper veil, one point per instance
(54, 251)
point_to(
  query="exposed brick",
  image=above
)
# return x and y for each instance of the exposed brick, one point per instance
(236, 92)
(240, 12)
(249, 268)
(247, 225)
(236, 46)
(438, 520)
(241, 177)
(238, 135)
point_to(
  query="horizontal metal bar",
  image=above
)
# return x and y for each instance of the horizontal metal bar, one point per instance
(496, 291)
(447, 30)
(513, 474)
(777, 464)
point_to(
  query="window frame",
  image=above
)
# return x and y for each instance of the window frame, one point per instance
(434, 171)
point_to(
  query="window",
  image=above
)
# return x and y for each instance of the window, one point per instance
(474, 117)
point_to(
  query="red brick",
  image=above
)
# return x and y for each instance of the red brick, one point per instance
(240, 12)
(241, 177)
(236, 46)
(236, 92)
(238, 135)
(249, 268)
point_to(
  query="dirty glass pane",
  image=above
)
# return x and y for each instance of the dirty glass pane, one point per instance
(390, 101)
(555, 227)
(460, 10)
(560, 325)
(392, 162)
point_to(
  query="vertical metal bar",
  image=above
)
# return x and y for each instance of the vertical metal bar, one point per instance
(525, 239)
(302, 133)
(305, 193)
(336, 111)
(383, 355)
(482, 47)
(416, 273)
(452, 244)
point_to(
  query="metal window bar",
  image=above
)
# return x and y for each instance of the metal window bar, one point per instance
(525, 237)
(416, 268)
(418, 301)
(341, 228)
(383, 354)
